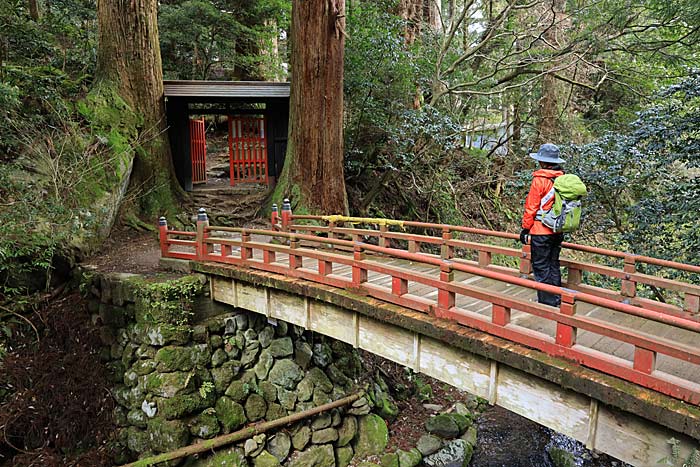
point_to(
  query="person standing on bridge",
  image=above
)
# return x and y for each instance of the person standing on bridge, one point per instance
(545, 244)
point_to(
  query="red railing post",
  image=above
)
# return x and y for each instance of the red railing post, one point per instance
(359, 274)
(628, 287)
(574, 276)
(202, 224)
(500, 315)
(526, 261)
(295, 261)
(274, 217)
(691, 303)
(644, 360)
(446, 251)
(484, 258)
(163, 236)
(246, 251)
(446, 298)
(566, 335)
(413, 246)
(399, 286)
(286, 215)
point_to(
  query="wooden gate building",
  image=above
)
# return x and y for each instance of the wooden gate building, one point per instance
(257, 110)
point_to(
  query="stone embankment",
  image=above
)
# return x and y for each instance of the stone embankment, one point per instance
(186, 370)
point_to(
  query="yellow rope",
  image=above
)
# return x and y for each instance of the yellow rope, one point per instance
(362, 220)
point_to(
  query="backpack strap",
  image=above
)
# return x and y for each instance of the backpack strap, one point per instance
(545, 199)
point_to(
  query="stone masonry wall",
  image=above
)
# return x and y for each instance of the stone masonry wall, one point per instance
(186, 370)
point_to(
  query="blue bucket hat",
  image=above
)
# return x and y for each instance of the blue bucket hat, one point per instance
(548, 153)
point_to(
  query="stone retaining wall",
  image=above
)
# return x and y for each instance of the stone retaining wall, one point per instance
(185, 370)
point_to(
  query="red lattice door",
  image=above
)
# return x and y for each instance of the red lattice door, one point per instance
(247, 149)
(198, 151)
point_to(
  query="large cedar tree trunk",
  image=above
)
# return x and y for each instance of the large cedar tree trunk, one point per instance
(313, 171)
(549, 107)
(128, 60)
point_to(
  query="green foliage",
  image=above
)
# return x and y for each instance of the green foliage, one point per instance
(169, 301)
(674, 458)
(205, 389)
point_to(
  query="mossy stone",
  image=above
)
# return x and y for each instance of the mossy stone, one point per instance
(265, 361)
(390, 459)
(561, 457)
(160, 334)
(144, 367)
(255, 407)
(326, 435)
(320, 380)
(184, 404)
(347, 430)
(218, 358)
(230, 413)
(200, 333)
(137, 440)
(285, 373)
(323, 354)
(321, 398)
(231, 457)
(168, 384)
(238, 390)
(167, 435)
(279, 445)
(137, 417)
(287, 398)
(265, 336)
(174, 358)
(301, 438)
(265, 459)
(456, 452)
(216, 341)
(305, 389)
(470, 435)
(409, 458)
(223, 375)
(302, 354)
(274, 411)
(316, 456)
(268, 390)
(443, 425)
(282, 347)
(205, 426)
(321, 421)
(372, 435)
(343, 456)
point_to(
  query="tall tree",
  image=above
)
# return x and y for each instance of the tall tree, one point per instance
(128, 61)
(313, 169)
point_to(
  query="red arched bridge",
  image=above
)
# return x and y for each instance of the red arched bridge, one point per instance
(618, 314)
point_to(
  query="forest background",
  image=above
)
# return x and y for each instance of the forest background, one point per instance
(615, 84)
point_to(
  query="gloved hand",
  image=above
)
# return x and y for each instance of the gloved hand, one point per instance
(525, 236)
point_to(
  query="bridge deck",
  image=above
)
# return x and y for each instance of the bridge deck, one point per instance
(624, 351)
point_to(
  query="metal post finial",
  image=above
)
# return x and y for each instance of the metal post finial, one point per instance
(274, 208)
(286, 205)
(162, 221)
(202, 215)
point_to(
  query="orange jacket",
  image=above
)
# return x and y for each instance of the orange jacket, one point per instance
(541, 184)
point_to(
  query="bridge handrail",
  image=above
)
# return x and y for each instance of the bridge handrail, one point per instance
(642, 370)
(629, 275)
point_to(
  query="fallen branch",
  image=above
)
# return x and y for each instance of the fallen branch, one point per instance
(240, 435)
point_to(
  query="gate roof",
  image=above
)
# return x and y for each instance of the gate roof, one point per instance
(225, 89)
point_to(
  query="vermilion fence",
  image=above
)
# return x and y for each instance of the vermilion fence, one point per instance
(210, 244)
(198, 151)
(247, 143)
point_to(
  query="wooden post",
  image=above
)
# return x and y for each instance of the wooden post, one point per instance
(446, 251)
(574, 276)
(359, 274)
(691, 303)
(295, 261)
(500, 315)
(163, 236)
(484, 258)
(629, 286)
(566, 335)
(382, 230)
(526, 261)
(413, 246)
(644, 360)
(202, 224)
(325, 267)
(399, 286)
(246, 251)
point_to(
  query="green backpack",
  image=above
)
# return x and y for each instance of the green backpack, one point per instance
(565, 213)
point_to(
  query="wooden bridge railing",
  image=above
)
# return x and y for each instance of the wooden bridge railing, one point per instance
(209, 244)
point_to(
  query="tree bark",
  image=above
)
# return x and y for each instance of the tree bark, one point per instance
(34, 10)
(313, 169)
(128, 60)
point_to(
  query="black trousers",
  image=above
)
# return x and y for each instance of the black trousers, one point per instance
(545, 264)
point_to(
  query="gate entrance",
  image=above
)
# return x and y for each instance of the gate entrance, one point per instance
(247, 149)
(198, 151)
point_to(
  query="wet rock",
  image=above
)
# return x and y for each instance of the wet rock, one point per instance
(279, 445)
(241, 321)
(230, 325)
(372, 435)
(285, 373)
(281, 329)
(428, 444)
(455, 453)
(301, 438)
(316, 456)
